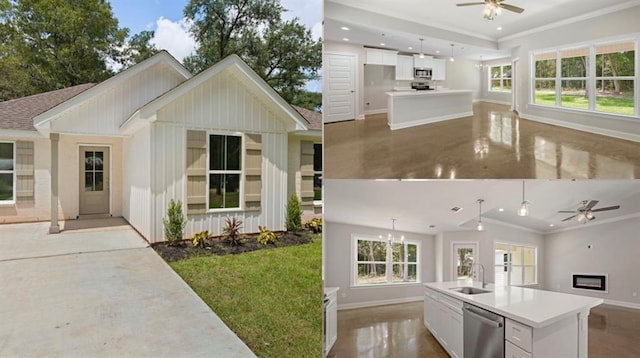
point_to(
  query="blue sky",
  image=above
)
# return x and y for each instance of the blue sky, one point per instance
(166, 18)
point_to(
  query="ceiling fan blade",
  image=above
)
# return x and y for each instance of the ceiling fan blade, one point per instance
(570, 217)
(615, 207)
(567, 212)
(519, 10)
(471, 3)
(591, 204)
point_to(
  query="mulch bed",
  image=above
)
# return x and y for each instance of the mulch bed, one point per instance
(219, 246)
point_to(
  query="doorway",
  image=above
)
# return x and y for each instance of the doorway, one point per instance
(339, 94)
(94, 180)
(464, 255)
(515, 103)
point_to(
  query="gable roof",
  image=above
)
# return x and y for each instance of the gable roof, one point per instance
(146, 113)
(18, 114)
(314, 118)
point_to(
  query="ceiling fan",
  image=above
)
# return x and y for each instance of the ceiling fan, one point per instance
(585, 212)
(492, 8)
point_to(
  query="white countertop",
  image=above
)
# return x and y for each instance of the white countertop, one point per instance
(535, 308)
(330, 290)
(425, 93)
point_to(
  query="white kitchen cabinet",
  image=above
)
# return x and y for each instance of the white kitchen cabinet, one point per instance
(443, 318)
(439, 72)
(404, 68)
(331, 320)
(426, 62)
(381, 57)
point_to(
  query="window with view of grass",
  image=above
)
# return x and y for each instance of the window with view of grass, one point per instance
(599, 78)
(500, 80)
(317, 171)
(225, 173)
(380, 261)
(7, 172)
(515, 265)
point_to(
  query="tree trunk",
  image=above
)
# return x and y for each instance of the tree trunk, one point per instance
(614, 72)
(372, 272)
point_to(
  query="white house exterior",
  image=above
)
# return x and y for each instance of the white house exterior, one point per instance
(223, 142)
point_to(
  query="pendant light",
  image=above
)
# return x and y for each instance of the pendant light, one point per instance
(421, 53)
(524, 205)
(392, 236)
(480, 227)
(452, 59)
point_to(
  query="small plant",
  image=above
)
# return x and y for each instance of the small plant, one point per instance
(315, 225)
(199, 239)
(294, 214)
(266, 236)
(231, 230)
(174, 223)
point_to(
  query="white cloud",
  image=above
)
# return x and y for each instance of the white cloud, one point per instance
(174, 37)
(316, 31)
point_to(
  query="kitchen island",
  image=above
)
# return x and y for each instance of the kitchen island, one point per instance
(537, 323)
(414, 108)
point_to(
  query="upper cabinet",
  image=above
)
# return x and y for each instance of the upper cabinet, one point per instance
(381, 57)
(439, 70)
(404, 68)
(425, 62)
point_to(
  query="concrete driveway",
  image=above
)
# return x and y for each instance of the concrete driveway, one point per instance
(90, 292)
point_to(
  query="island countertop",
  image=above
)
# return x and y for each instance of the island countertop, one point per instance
(425, 92)
(535, 308)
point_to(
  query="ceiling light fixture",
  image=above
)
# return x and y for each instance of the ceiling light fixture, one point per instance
(382, 44)
(344, 28)
(480, 227)
(480, 66)
(392, 236)
(421, 53)
(410, 48)
(491, 10)
(499, 28)
(437, 51)
(501, 209)
(452, 59)
(345, 39)
(524, 205)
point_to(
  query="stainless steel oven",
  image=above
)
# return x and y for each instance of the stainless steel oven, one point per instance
(422, 73)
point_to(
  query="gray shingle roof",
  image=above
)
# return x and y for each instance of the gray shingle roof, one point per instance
(314, 118)
(17, 114)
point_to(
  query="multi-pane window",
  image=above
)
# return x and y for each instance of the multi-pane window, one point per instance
(93, 171)
(225, 163)
(515, 265)
(317, 171)
(7, 172)
(597, 78)
(500, 80)
(379, 261)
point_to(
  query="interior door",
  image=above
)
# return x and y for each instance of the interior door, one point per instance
(464, 255)
(338, 90)
(94, 180)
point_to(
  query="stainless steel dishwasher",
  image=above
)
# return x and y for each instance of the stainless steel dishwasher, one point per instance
(483, 333)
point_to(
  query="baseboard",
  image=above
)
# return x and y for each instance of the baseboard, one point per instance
(420, 122)
(349, 306)
(494, 101)
(623, 304)
(583, 128)
(360, 117)
(376, 111)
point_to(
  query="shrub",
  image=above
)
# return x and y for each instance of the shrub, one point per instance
(315, 225)
(174, 223)
(294, 214)
(266, 236)
(199, 239)
(231, 230)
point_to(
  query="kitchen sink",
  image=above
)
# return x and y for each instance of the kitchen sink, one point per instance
(469, 290)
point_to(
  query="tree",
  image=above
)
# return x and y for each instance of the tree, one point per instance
(139, 48)
(282, 52)
(52, 44)
(308, 100)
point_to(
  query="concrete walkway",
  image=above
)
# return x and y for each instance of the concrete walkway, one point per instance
(100, 292)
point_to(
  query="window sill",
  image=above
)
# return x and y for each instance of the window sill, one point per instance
(387, 285)
(8, 203)
(625, 117)
(230, 210)
(317, 203)
(508, 92)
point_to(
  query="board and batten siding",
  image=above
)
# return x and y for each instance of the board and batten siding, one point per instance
(220, 105)
(103, 114)
(136, 196)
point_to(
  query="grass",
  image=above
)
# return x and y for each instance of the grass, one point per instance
(272, 299)
(618, 105)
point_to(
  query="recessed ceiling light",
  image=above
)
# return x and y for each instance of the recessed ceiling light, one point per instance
(345, 39)
(501, 209)
(438, 51)
(382, 44)
(499, 28)
(410, 48)
(344, 28)
(551, 225)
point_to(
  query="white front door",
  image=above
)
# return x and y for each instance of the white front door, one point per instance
(464, 255)
(94, 180)
(338, 90)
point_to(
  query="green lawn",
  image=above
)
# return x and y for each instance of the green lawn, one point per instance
(272, 299)
(616, 105)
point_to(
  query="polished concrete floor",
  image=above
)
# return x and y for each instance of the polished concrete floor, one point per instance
(493, 143)
(398, 331)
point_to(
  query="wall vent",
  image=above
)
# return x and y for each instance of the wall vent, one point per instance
(456, 209)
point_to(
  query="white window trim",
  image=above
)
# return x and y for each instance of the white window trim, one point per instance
(591, 78)
(318, 203)
(15, 181)
(502, 78)
(508, 272)
(241, 171)
(354, 262)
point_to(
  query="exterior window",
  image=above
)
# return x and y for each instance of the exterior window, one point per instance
(615, 78)
(545, 79)
(500, 78)
(7, 172)
(574, 66)
(317, 171)
(515, 265)
(225, 163)
(378, 261)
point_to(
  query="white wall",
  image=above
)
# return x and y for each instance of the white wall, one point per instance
(136, 180)
(337, 270)
(461, 74)
(485, 94)
(377, 81)
(615, 250)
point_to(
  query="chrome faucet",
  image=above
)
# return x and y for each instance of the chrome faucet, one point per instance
(484, 284)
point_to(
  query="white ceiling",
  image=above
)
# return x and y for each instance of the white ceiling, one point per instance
(418, 204)
(409, 20)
